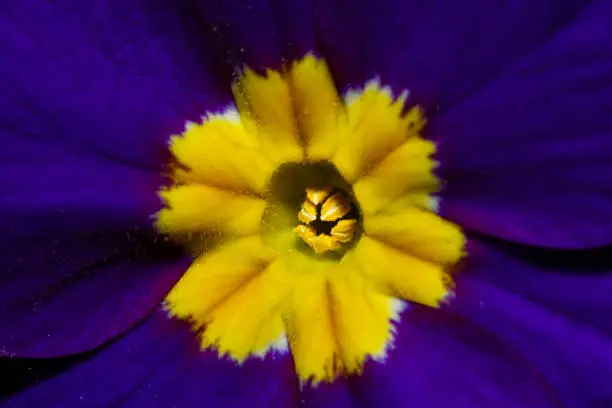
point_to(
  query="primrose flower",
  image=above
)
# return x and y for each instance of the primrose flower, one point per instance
(320, 222)
(306, 204)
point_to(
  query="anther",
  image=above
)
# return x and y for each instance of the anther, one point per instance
(327, 219)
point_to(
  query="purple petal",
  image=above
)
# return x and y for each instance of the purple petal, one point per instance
(91, 94)
(260, 33)
(441, 360)
(116, 78)
(439, 50)
(78, 259)
(552, 321)
(296, 23)
(159, 364)
(338, 394)
(576, 285)
(528, 157)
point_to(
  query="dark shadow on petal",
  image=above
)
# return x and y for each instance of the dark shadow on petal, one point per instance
(17, 374)
(593, 260)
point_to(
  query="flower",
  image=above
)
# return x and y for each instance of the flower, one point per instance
(516, 100)
(319, 221)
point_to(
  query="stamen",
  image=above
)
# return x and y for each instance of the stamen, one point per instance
(328, 219)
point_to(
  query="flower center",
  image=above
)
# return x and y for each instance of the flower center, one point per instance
(328, 219)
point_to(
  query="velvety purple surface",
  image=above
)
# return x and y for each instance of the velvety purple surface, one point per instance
(441, 360)
(528, 156)
(518, 95)
(259, 34)
(438, 50)
(525, 329)
(159, 364)
(551, 309)
(505, 340)
(490, 346)
(90, 93)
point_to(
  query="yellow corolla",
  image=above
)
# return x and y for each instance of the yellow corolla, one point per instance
(311, 220)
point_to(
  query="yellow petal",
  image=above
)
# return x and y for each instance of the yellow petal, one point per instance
(220, 152)
(317, 106)
(266, 107)
(233, 295)
(406, 170)
(198, 208)
(363, 319)
(397, 273)
(249, 322)
(418, 232)
(376, 127)
(334, 321)
(310, 327)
